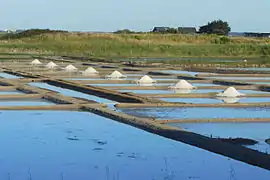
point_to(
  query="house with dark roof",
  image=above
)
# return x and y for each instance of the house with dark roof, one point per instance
(161, 29)
(187, 30)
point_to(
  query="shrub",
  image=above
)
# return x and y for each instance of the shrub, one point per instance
(30, 33)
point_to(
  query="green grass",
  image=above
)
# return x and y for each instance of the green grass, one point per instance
(138, 45)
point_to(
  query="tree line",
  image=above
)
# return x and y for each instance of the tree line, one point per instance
(217, 27)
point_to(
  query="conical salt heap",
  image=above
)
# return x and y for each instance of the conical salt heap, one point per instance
(116, 75)
(51, 65)
(182, 84)
(230, 92)
(146, 80)
(70, 68)
(36, 62)
(90, 71)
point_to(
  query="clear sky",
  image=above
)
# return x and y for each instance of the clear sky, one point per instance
(140, 15)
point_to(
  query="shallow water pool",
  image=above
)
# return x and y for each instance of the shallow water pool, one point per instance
(108, 85)
(9, 76)
(241, 78)
(217, 101)
(10, 92)
(76, 145)
(195, 91)
(198, 112)
(179, 72)
(26, 103)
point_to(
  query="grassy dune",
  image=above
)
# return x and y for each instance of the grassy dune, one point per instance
(139, 45)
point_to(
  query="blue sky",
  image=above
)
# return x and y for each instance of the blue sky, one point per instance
(140, 15)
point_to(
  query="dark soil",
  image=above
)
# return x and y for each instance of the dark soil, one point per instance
(267, 141)
(239, 141)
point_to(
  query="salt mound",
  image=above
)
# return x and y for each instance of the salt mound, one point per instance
(146, 80)
(51, 65)
(116, 75)
(182, 84)
(229, 100)
(230, 92)
(90, 71)
(70, 68)
(36, 62)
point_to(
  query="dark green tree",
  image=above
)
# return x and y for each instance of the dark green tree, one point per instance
(172, 31)
(218, 27)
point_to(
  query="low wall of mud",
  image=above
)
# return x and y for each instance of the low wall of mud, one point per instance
(231, 83)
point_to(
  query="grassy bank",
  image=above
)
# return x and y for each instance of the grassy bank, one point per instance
(138, 45)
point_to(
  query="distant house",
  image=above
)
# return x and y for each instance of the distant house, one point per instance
(187, 30)
(253, 34)
(161, 29)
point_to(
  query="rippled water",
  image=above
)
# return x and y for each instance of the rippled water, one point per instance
(198, 112)
(83, 146)
(195, 91)
(25, 103)
(217, 101)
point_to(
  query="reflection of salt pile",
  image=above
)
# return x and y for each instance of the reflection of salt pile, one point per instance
(182, 91)
(36, 62)
(229, 100)
(90, 71)
(230, 92)
(51, 65)
(146, 80)
(182, 84)
(70, 68)
(115, 75)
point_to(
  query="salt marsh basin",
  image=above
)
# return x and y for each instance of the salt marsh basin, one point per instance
(78, 145)
(198, 112)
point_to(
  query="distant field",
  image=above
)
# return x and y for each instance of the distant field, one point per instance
(139, 45)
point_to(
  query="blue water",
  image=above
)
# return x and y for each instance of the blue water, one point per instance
(171, 91)
(198, 112)
(203, 84)
(216, 101)
(10, 92)
(108, 85)
(72, 93)
(179, 72)
(256, 131)
(128, 79)
(9, 76)
(241, 78)
(195, 91)
(192, 100)
(25, 103)
(83, 146)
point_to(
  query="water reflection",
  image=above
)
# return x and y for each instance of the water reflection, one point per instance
(75, 145)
